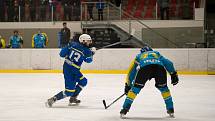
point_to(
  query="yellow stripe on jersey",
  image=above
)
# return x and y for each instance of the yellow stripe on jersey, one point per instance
(47, 40)
(131, 95)
(72, 64)
(154, 55)
(82, 78)
(3, 43)
(143, 56)
(78, 51)
(33, 40)
(129, 71)
(166, 94)
(76, 66)
(68, 90)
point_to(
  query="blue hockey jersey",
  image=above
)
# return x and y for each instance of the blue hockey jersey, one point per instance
(39, 40)
(16, 41)
(75, 53)
(147, 58)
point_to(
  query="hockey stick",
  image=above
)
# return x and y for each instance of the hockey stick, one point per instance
(107, 106)
(116, 43)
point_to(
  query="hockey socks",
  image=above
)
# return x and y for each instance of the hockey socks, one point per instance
(60, 95)
(130, 97)
(167, 97)
(77, 90)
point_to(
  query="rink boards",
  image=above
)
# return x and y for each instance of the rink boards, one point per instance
(187, 61)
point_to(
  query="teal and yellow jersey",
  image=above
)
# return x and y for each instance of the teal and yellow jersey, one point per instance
(47, 39)
(2, 43)
(16, 41)
(148, 58)
(132, 71)
(154, 57)
(39, 40)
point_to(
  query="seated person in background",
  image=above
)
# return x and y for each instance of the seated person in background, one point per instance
(2, 42)
(15, 40)
(39, 40)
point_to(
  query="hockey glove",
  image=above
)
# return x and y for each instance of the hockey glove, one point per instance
(93, 49)
(174, 78)
(127, 88)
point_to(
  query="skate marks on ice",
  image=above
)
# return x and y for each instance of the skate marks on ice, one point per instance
(131, 118)
(77, 106)
(139, 118)
(30, 91)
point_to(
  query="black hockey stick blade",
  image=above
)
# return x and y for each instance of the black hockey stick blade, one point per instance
(104, 104)
(107, 106)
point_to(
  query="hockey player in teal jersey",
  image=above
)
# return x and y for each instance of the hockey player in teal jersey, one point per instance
(75, 54)
(16, 40)
(40, 40)
(149, 64)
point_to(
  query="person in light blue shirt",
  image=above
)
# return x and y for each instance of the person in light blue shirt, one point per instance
(15, 40)
(149, 64)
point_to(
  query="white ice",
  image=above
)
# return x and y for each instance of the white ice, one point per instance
(22, 98)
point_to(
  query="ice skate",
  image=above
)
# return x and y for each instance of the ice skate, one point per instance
(171, 113)
(73, 101)
(50, 102)
(123, 112)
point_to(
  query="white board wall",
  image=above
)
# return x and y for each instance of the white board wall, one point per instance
(105, 59)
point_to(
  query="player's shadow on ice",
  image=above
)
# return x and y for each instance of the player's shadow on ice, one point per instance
(147, 118)
(78, 107)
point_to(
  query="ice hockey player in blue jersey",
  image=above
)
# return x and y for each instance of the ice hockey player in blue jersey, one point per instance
(75, 54)
(149, 64)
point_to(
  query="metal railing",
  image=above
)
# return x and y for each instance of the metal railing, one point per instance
(111, 14)
(127, 24)
(59, 12)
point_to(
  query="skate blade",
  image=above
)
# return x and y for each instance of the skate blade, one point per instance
(47, 105)
(122, 116)
(171, 116)
(73, 104)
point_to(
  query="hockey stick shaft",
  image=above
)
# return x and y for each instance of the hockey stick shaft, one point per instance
(107, 106)
(116, 43)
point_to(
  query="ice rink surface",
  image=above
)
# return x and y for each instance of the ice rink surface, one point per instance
(22, 98)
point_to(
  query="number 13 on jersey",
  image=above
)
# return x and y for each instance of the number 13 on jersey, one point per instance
(74, 55)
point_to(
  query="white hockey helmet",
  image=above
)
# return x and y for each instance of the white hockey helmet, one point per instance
(85, 38)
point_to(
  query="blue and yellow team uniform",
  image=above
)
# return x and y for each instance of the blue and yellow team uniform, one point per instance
(75, 54)
(16, 41)
(148, 65)
(2, 43)
(39, 40)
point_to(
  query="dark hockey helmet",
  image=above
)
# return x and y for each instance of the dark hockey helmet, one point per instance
(145, 49)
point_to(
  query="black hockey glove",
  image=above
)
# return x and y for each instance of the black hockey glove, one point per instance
(127, 88)
(174, 78)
